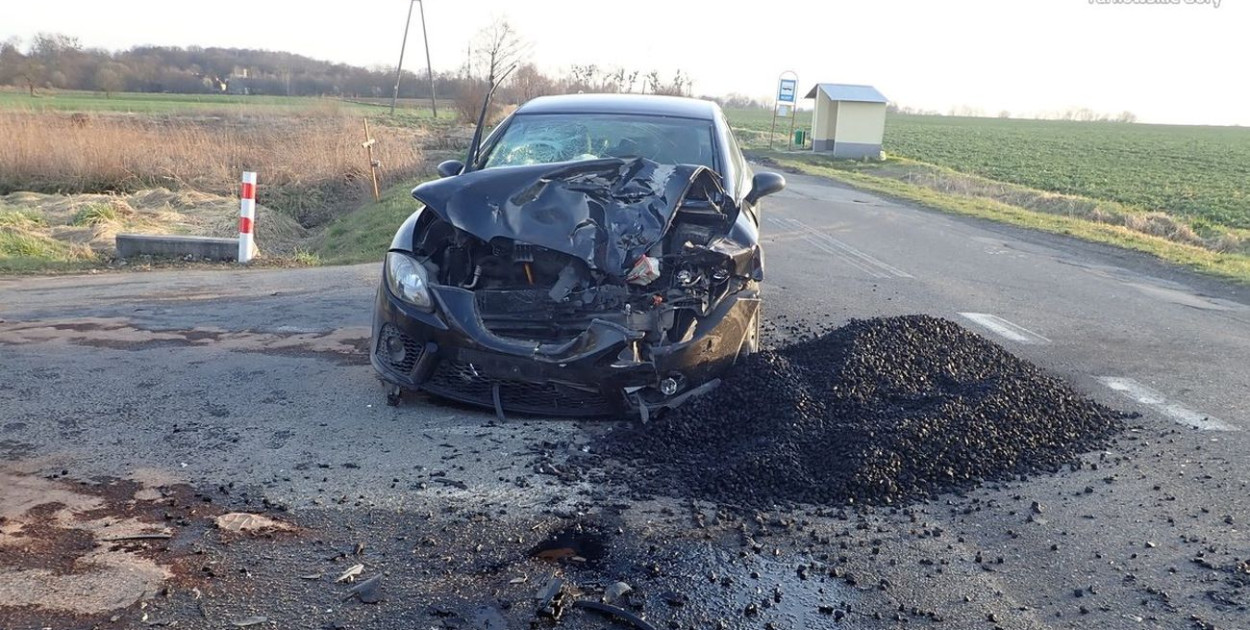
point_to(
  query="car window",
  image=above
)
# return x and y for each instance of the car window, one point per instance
(546, 138)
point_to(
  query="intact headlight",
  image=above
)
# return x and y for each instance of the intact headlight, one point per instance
(407, 280)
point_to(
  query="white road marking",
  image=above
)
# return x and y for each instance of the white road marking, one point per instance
(814, 242)
(843, 251)
(1177, 412)
(1006, 329)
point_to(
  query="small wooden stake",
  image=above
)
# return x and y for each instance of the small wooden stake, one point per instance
(373, 164)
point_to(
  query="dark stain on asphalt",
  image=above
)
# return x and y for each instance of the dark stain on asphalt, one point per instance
(74, 529)
(13, 450)
(346, 346)
(46, 544)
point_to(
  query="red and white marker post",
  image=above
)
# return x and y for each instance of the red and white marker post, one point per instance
(247, 217)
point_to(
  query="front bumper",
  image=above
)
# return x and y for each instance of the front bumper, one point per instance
(606, 370)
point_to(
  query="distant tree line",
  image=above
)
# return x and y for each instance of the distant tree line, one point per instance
(51, 61)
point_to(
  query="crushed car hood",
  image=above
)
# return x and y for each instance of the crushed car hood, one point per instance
(607, 212)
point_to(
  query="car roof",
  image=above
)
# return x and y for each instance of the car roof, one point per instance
(643, 104)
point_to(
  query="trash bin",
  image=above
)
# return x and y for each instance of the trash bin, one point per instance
(800, 136)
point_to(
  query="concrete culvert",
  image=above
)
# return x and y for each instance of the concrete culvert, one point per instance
(880, 411)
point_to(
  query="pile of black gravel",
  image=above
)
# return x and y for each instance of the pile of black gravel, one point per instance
(879, 411)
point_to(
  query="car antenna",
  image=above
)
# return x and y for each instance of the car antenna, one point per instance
(474, 146)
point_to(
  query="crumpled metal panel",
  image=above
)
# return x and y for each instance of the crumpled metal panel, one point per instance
(606, 212)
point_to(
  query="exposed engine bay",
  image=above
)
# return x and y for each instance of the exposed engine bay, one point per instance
(547, 251)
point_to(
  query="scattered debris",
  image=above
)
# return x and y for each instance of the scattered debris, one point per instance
(368, 591)
(350, 574)
(551, 600)
(250, 621)
(614, 611)
(138, 537)
(246, 522)
(488, 618)
(459, 485)
(615, 591)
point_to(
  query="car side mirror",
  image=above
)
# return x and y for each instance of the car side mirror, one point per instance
(450, 168)
(764, 184)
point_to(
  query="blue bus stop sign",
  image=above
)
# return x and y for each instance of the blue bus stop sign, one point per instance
(785, 91)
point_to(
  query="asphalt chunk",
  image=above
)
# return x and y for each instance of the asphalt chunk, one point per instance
(879, 411)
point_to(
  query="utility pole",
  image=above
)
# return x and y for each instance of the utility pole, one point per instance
(429, 68)
(399, 67)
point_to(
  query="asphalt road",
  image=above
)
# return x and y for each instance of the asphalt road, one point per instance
(251, 390)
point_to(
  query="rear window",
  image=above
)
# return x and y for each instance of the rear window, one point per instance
(546, 138)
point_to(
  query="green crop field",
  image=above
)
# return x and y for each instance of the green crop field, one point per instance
(1201, 174)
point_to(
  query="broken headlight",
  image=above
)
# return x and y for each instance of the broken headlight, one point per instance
(407, 280)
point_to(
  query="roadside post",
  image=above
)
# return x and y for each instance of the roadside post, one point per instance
(785, 103)
(373, 164)
(247, 217)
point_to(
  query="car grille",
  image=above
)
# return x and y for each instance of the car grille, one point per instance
(530, 331)
(460, 381)
(529, 315)
(412, 349)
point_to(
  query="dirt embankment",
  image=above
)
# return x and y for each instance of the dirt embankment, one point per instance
(86, 224)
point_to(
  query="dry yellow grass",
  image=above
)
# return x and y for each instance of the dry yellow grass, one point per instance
(311, 165)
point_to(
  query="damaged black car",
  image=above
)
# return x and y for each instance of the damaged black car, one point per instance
(597, 255)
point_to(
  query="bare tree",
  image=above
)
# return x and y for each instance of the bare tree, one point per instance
(966, 111)
(499, 48)
(528, 82)
(56, 58)
(11, 59)
(679, 86)
(32, 72)
(108, 79)
(583, 78)
(496, 51)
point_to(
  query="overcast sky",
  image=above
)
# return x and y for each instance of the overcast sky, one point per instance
(1177, 63)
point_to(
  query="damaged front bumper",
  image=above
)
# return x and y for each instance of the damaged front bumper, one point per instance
(606, 370)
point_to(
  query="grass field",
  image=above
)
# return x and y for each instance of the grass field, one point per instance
(752, 127)
(153, 103)
(1184, 186)
(1199, 173)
